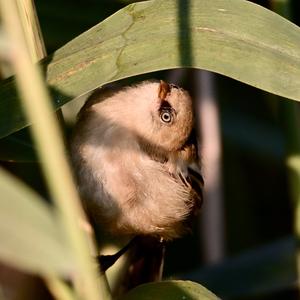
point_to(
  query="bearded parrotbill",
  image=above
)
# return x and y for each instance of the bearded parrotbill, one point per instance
(135, 156)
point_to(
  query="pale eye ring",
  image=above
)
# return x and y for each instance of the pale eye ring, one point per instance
(166, 116)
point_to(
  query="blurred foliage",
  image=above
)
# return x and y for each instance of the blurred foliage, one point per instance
(175, 289)
(260, 271)
(20, 205)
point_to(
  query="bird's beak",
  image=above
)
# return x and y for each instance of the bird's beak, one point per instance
(163, 90)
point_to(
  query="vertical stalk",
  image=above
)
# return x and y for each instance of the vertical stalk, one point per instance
(31, 29)
(290, 115)
(33, 35)
(291, 124)
(36, 46)
(1, 294)
(59, 289)
(36, 103)
(212, 220)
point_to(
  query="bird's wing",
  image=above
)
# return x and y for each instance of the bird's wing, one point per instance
(196, 182)
(192, 176)
(145, 263)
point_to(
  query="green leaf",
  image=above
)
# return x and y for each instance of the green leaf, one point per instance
(171, 290)
(232, 37)
(31, 237)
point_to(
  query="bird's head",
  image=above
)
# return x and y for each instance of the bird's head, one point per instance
(160, 113)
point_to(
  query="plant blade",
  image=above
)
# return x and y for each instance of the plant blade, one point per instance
(164, 34)
(171, 289)
(31, 238)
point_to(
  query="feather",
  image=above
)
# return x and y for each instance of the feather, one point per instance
(135, 158)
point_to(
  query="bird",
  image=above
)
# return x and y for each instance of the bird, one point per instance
(136, 162)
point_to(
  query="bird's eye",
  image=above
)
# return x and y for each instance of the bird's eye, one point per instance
(166, 116)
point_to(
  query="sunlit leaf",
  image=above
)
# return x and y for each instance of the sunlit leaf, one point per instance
(171, 290)
(233, 37)
(31, 238)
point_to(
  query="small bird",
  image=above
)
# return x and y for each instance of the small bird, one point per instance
(135, 157)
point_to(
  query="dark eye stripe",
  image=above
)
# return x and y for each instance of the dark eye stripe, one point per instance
(174, 86)
(165, 105)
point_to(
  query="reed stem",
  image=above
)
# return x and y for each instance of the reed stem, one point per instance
(45, 130)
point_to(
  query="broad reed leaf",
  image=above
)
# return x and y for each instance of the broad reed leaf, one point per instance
(31, 238)
(232, 37)
(172, 289)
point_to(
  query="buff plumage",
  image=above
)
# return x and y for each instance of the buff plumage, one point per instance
(133, 151)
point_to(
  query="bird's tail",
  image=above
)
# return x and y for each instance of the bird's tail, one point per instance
(145, 260)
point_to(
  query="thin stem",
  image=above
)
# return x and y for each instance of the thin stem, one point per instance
(1, 293)
(33, 36)
(36, 103)
(32, 30)
(59, 288)
(290, 114)
(208, 120)
(291, 124)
